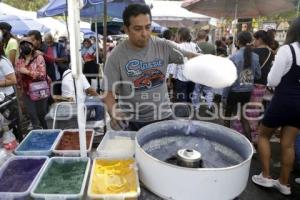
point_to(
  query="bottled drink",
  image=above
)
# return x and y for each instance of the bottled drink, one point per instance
(9, 140)
(4, 155)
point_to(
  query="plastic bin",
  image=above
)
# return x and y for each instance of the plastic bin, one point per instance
(21, 165)
(39, 143)
(64, 163)
(63, 115)
(115, 167)
(75, 150)
(117, 144)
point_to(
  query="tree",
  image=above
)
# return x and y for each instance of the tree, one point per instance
(32, 5)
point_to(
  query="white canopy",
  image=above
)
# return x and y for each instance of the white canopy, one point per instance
(57, 27)
(171, 14)
(9, 10)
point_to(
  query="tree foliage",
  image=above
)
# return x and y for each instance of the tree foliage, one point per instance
(32, 5)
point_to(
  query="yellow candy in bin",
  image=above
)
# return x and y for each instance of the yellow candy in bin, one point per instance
(113, 178)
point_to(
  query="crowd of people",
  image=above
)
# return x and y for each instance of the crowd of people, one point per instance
(144, 76)
(36, 69)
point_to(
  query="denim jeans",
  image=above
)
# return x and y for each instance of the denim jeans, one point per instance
(184, 90)
(99, 112)
(199, 89)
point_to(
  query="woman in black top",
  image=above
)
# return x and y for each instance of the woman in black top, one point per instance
(261, 47)
(261, 43)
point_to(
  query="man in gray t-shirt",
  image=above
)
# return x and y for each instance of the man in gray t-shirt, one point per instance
(136, 70)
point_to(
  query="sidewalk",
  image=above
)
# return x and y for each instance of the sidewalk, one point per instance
(258, 193)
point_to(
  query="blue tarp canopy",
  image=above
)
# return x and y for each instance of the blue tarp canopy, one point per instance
(87, 32)
(92, 9)
(156, 28)
(22, 24)
(115, 25)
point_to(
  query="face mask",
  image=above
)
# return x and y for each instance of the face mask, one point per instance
(1, 36)
(26, 50)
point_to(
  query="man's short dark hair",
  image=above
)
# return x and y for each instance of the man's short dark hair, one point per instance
(184, 34)
(37, 34)
(86, 40)
(5, 26)
(167, 34)
(1, 50)
(202, 35)
(218, 43)
(134, 10)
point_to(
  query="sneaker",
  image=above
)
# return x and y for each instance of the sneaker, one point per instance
(262, 181)
(210, 111)
(275, 139)
(283, 189)
(277, 164)
(297, 180)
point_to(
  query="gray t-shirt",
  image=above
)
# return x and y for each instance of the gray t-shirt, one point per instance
(143, 93)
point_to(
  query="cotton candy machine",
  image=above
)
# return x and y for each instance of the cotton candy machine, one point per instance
(193, 160)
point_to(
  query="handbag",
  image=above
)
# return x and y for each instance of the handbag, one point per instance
(39, 90)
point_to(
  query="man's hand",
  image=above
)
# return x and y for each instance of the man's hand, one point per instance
(118, 118)
(118, 121)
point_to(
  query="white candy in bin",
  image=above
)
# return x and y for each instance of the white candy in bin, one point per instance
(210, 70)
(117, 144)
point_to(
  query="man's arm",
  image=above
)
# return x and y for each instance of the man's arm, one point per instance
(109, 101)
(185, 53)
(91, 92)
(112, 75)
(117, 117)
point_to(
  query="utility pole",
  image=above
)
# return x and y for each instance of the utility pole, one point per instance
(297, 8)
(104, 30)
(74, 7)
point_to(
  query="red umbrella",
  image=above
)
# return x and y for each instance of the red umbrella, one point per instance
(238, 8)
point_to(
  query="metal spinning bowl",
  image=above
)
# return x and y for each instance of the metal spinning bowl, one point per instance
(225, 160)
